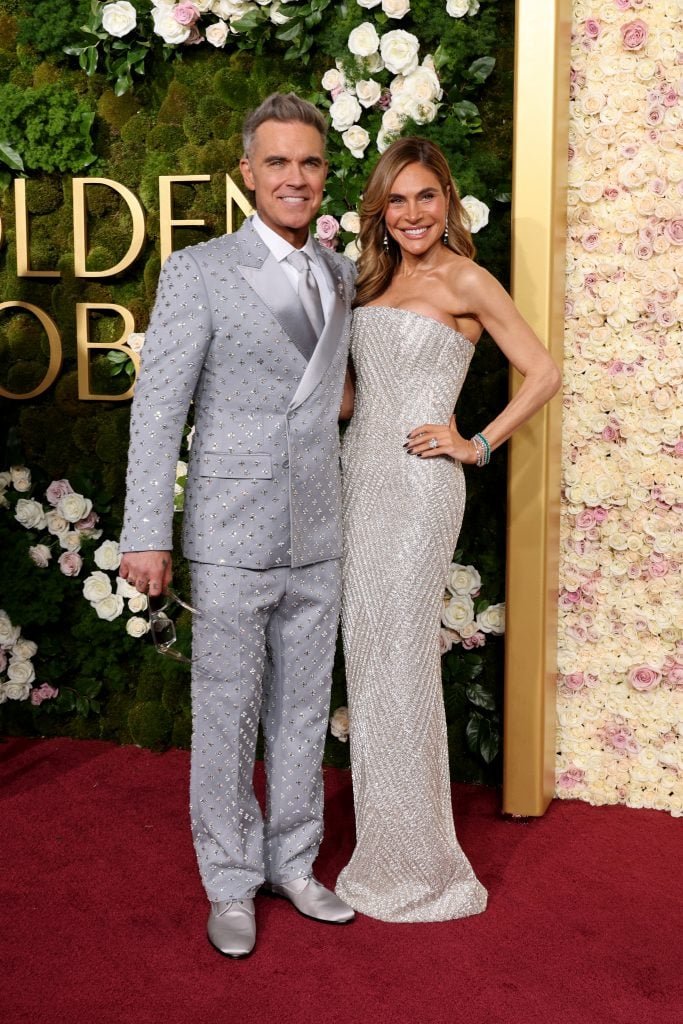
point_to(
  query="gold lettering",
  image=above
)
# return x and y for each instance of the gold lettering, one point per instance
(85, 345)
(23, 255)
(166, 221)
(55, 343)
(81, 227)
(234, 197)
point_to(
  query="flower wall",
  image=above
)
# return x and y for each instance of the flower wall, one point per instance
(620, 699)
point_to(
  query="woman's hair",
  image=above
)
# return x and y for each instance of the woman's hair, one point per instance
(376, 263)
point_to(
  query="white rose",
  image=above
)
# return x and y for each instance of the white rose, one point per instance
(368, 4)
(463, 579)
(423, 84)
(135, 341)
(457, 8)
(345, 111)
(137, 603)
(22, 673)
(368, 92)
(73, 507)
(5, 480)
(137, 626)
(356, 139)
(352, 250)
(109, 608)
(55, 523)
(70, 541)
(363, 40)
(118, 19)
(477, 213)
(350, 221)
(97, 586)
(24, 650)
(40, 555)
(492, 619)
(107, 556)
(275, 14)
(395, 8)
(339, 724)
(30, 514)
(458, 612)
(217, 35)
(385, 136)
(399, 51)
(373, 63)
(422, 111)
(473, 7)
(21, 478)
(202, 5)
(124, 588)
(9, 634)
(333, 79)
(168, 28)
(14, 691)
(393, 120)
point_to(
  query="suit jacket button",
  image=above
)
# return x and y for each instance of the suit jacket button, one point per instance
(285, 463)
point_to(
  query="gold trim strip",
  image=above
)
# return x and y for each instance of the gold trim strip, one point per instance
(541, 111)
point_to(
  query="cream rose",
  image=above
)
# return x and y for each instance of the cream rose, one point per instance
(168, 28)
(352, 250)
(73, 507)
(339, 724)
(396, 8)
(345, 111)
(399, 50)
(20, 672)
(118, 19)
(40, 555)
(24, 650)
(124, 588)
(356, 139)
(217, 35)
(363, 40)
(457, 8)
(21, 478)
(423, 85)
(350, 221)
(368, 92)
(492, 619)
(107, 555)
(109, 608)
(368, 4)
(137, 626)
(30, 514)
(9, 634)
(70, 541)
(333, 79)
(137, 603)
(463, 579)
(96, 587)
(458, 612)
(477, 213)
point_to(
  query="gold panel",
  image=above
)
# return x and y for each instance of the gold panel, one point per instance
(79, 186)
(23, 242)
(84, 346)
(542, 64)
(54, 342)
(166, 219)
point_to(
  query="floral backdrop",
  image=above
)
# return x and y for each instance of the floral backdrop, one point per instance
(620, 699)
(130, 91)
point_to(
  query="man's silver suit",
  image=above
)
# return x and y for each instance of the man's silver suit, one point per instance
(262, 529)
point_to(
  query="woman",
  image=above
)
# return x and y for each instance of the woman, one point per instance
(421, 306)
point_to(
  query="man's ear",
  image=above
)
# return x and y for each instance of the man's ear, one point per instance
(245, 171)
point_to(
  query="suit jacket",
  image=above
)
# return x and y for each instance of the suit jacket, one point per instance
(263, 486)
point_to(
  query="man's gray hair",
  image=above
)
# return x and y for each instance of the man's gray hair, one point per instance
(282, 106)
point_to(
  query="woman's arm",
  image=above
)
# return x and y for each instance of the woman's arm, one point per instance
(348, 395)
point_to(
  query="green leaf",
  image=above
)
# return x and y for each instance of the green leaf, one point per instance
(82, 705)
(289, 32)
(117, 357)
(10, 157)
(480, 69)
(476, 694)
(466, 111)
(503, 197)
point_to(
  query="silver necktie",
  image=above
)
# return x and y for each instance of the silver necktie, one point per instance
(308, 290)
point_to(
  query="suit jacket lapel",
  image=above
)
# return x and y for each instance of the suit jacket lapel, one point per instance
(264, 274)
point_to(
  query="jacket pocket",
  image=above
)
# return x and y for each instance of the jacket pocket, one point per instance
(236, 467)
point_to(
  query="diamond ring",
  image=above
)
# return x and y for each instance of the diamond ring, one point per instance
(433, 443)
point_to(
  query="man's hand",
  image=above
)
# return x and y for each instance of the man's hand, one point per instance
(148, 571)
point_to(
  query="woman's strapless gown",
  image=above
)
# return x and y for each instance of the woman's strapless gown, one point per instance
(402, 515)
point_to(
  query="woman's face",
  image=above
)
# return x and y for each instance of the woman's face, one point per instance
(416, 210)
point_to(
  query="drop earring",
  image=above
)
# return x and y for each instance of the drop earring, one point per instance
(385, 242)
(445, 233)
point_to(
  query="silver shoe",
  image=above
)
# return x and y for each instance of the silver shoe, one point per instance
(313, 900)
(231, 927)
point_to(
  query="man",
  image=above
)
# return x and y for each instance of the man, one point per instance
(258, 334)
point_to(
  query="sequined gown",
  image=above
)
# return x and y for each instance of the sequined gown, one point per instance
(402, 515)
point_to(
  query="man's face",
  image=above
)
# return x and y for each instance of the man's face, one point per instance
(286, 168)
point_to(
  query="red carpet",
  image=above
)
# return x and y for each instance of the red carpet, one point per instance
(103, 914)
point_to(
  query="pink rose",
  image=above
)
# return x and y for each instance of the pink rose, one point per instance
(57, 490)
(634, 34)
(194, 37)
(584, 520)
(44, 692)
(571, 778)
(574, 681)
(643, 677)
(185, 13)
(592, 28)
(622, 5)
(89, 522)
(477, 639)
(70, 563)
(590, 240)
(658, 567)
(675, 675)
(678, 449)
(326, 228)
(674, 231)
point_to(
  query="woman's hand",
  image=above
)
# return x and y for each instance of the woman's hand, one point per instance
(449, 442)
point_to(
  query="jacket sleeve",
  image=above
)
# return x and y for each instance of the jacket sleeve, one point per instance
(175, 348)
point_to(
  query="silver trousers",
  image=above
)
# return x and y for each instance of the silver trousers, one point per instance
(263, 646)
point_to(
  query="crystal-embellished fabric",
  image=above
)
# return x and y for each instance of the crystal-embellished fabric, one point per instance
(402, 515)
